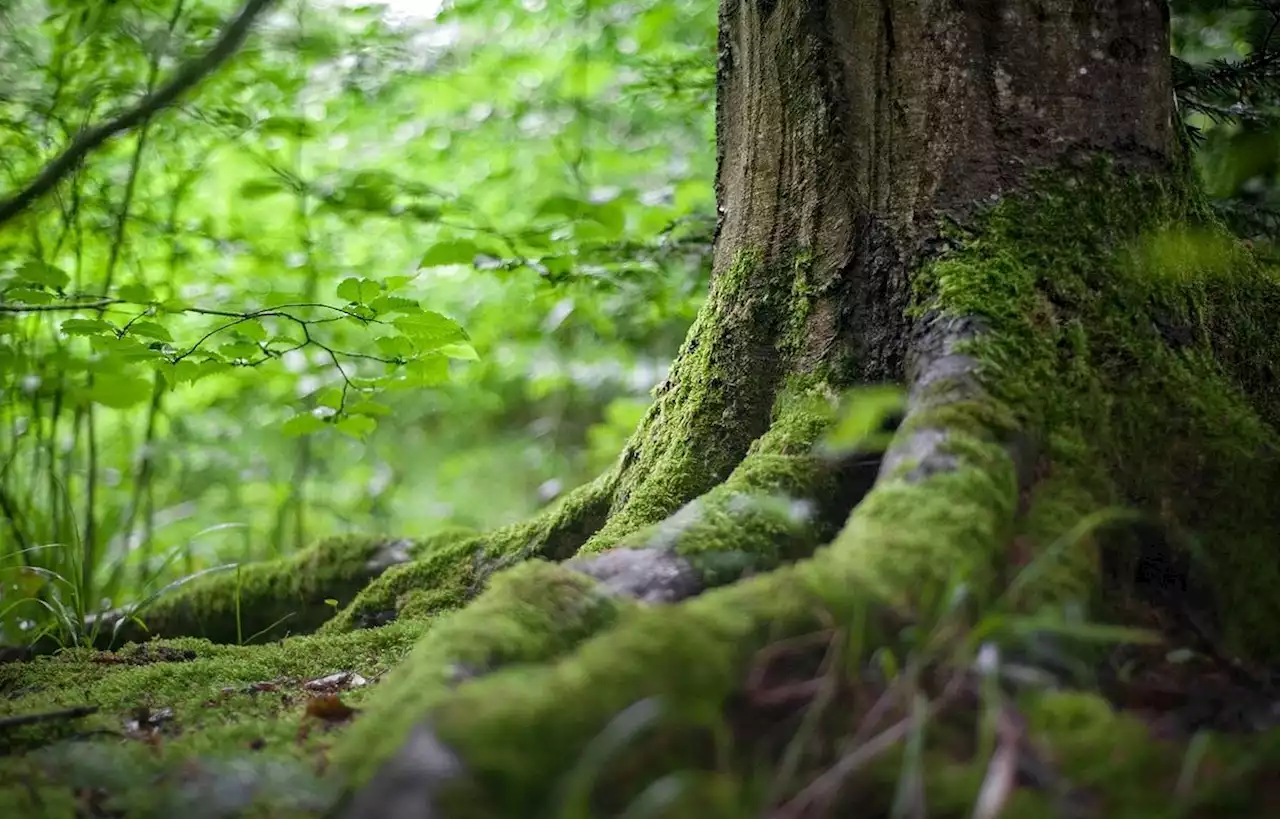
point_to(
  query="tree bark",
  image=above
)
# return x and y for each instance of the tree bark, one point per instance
(986, 201)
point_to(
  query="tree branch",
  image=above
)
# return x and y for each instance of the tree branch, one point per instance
(233, 36)
(56, 308)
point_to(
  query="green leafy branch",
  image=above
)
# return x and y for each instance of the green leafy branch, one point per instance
(414, 354)
(186, 78)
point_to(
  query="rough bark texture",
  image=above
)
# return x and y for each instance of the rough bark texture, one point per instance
(985, 200)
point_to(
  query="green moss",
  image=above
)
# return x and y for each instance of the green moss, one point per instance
(519, 739)
(916, 541)
(267, 600)
(716, 401)
(452, 570)
(777, 505)
(803, 292)
(1054, 557)
(1125, 329)
(233, 715)
(1130, 773)
(531, 613)
(519, 734)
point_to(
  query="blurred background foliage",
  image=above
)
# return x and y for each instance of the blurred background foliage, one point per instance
(396, 267)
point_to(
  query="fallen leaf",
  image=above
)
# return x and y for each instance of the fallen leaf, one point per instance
(329, 708)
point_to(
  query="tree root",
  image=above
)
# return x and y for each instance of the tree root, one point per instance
(454, 571)
(294, 594)
(944, 505)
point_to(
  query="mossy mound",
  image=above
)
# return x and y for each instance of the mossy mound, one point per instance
(185, 726)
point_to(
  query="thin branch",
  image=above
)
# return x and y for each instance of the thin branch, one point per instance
(56, 308)
(184, 80)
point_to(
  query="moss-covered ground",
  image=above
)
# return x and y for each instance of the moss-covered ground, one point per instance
(931, 644)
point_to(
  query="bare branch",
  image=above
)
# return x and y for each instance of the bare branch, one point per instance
(56, 308)
(233, 36)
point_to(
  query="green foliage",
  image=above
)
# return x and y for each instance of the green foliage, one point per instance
(381, 272)
(1227, 76)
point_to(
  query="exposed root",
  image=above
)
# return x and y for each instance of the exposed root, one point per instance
(511, 727)
(778, 505)
(715, 403)
(267, 600)
(448, 574)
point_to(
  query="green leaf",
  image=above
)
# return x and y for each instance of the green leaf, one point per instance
(252, 330)
(119, 351)
(184, 372)
(149, 329)
(188, 371)
(304, 423)
(120, 391)
(357, 426)
(245, 350)
(38, 272)
(361, 314)
(610, 217)
(330, 397)
(27, 295)
(262, 188)
(460, 350)
(359, 291)
(395, 346)
(458, 251)
(385, 305)
(428, 371)
(370, 191)
(86, 327)
(136, 293)
(423, 212)
(286, 126)
(865, 422)
(430, 330)
(368, 408)
(560, 205)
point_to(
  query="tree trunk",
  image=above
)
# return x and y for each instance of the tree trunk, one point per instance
(987, 201)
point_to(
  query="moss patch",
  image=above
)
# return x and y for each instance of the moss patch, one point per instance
(265, 601)
(520, 740)
(452, 570)
(210, 728)
(716, 401)
(1146, 369)
(778, 505)
(529, 614)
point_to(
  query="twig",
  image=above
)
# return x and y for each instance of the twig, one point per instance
(233, 36)
(77, 712)
(54, 308)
